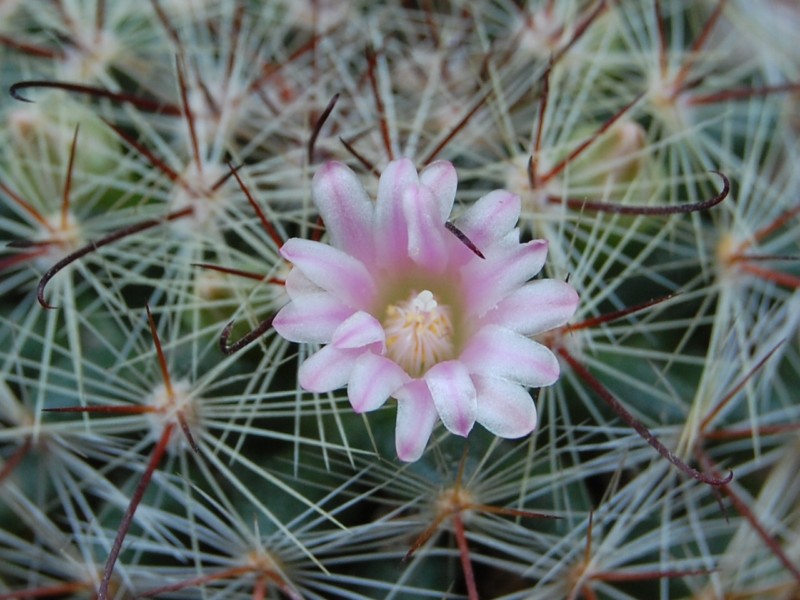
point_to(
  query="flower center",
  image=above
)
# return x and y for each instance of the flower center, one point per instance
(419, 332)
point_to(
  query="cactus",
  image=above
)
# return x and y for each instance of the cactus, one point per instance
(156, 439)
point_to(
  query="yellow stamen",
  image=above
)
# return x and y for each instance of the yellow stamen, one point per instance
(419, 333)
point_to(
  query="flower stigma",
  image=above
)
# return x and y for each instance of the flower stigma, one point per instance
(419, 332)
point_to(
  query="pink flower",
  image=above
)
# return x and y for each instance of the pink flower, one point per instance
(407, 310)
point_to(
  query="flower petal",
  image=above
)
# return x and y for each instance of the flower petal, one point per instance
(493, 279)
(333, 270)
(501, 353)
(311, 318)
(426, 243)
(391, 230)
(358, 330)
(490, 219)
(504, 408)
(416, 416)
(345, 208)
(298, 284)
(453, 395)
(373, 380)
(441, 179)
(328, 369)
(536, 307)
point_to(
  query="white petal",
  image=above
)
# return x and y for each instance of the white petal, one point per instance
(426, 243)
(416, 416)
(504, 408)
(536, 307)
(490, 281)
(491, 218)
(345, 208)
(441, 179)
(373, 380)
(391, 229)
(453, 395)
(333, 270)
(358, 330)
(501, 353)
(327, 370)
(311, 318)
(298, 284)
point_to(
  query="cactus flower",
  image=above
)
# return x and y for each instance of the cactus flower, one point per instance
(407, 310)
